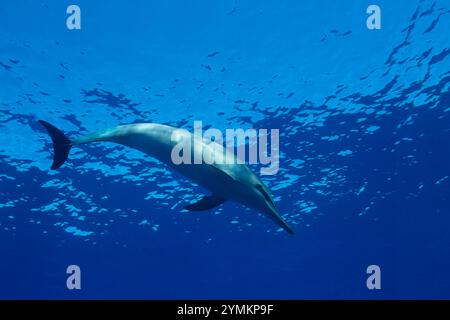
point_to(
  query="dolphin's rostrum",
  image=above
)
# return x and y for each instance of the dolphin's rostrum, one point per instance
(235, 182)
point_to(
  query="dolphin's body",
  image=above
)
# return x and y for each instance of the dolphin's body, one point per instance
(234, 182)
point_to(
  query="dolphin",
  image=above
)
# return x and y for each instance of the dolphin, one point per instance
(233, 182)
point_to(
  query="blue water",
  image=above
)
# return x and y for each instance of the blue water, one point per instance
(364, 119)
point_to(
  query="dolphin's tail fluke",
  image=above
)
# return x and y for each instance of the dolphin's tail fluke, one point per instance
(61, 144)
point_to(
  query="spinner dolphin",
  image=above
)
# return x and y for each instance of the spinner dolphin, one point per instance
(226, 182)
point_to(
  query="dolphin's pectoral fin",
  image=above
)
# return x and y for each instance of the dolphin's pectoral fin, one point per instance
(206, 203)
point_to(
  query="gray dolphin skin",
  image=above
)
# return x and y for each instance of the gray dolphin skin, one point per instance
(233, 182)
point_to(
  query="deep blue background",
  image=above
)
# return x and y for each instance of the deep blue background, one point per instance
(309, 68)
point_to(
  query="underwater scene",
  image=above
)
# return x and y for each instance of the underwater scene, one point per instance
(354, 96)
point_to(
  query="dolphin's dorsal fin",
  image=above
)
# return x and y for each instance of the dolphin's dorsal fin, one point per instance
(206, 203)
